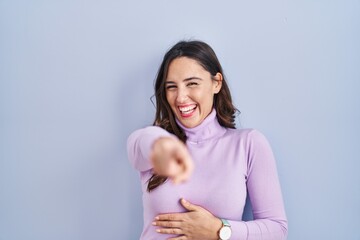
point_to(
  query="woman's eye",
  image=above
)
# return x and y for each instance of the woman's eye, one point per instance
(192, 84)
(170, 87)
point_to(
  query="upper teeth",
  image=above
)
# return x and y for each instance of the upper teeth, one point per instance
(188, 108)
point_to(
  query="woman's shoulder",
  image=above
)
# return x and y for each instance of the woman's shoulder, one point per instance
(249, 136)
(149, 130)
(250, 133)
(250, 139)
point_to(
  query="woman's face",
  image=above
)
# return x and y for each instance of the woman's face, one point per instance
(190, 91)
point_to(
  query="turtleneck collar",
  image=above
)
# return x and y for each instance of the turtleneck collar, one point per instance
(208, 129)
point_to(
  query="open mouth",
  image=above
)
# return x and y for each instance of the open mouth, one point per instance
(187, 111)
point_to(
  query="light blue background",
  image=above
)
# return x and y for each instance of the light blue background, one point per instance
(76, 78)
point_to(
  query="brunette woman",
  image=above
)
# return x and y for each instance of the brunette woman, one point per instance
(196, 169)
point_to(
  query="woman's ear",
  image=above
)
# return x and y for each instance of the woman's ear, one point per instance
(218, 78)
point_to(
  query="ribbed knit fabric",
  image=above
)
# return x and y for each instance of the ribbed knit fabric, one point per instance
(229, 163)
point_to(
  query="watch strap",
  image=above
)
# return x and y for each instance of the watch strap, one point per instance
(225, 222)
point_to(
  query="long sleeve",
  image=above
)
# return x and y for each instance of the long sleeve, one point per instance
(229, 163)
(264, 190)
(139, 145)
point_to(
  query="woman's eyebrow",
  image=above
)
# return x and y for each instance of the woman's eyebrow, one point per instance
(169, 82)
(192, 78)
(185, 80)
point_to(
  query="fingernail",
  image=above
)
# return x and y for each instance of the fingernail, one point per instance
(158, 230)
(154, 223)
(156, 218)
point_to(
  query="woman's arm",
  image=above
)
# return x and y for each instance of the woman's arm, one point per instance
(264, 192)
(139, 146)
(154, 148)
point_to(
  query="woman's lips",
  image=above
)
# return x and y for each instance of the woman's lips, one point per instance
(187, 110)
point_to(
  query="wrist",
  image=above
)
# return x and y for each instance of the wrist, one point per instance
(216, 226)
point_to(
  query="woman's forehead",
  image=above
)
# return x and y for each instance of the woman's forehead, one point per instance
(184, 68)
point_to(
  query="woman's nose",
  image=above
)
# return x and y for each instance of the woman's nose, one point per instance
(182, 95)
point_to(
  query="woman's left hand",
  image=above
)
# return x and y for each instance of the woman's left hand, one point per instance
(197, 223)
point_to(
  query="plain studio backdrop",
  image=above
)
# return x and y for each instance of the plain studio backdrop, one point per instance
(77, 77)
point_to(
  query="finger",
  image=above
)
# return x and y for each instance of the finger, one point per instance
(167, 168)
(182, 237)
(169, 230)
(161, 155)
(189, 206)
(169, 217)
(187, 167)
(156, 163)
(178, 179)
(185, 174)
(187, 161)
(168, 224)
(173, 169)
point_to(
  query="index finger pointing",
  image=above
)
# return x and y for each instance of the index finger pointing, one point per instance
(186, 161)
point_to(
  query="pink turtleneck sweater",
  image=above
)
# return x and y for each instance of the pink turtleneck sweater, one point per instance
(229, 163)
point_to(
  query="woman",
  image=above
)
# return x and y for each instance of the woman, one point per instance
(195, 167)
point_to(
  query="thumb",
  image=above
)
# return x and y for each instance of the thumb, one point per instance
(189, 206)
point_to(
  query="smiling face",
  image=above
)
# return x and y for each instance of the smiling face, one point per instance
(190, 90)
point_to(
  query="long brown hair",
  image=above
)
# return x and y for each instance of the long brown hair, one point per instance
(164, 118)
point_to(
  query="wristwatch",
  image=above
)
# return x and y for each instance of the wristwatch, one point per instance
(225, 230)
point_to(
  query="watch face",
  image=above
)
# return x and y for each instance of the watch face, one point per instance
(225, 233)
